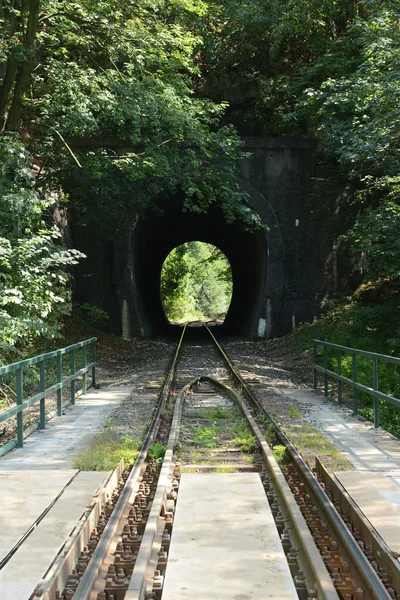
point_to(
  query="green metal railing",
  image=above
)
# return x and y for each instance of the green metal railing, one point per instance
(21, 403)
(373, 391)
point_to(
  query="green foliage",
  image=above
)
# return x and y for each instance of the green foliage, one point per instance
(244, 437)
(294, 412)
(157, 451)
(280, 454)
(106, 451)
(374, 327)
(354, 111)
(205, 437)
(34, 291)
(216, 414)
(94, 314)
(376, 237)
(196, 282)
(326, 70)
(123, 70)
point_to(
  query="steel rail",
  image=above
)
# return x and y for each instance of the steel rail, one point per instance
(57, 575)
(370, 537)
(143, 573)
(371, 581)
(317, 575)
(92, 572)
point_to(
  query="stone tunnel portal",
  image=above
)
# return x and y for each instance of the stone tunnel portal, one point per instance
(153, 239)
(122, 276)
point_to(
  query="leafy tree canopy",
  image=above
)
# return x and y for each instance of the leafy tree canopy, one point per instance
(325, 70)
(125, 70)
(34, 291)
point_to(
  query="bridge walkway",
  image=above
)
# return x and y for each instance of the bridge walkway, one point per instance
(43, 497)
(374, 484)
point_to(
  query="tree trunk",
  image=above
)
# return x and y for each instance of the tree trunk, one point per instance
(8, 82)
(8, 69)
(24, 73)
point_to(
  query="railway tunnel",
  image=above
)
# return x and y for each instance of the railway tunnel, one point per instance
(246, 252)
(279, 272)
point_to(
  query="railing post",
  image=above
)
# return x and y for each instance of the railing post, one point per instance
(376, 386)
(94, 365)
(84, 376)
(59, 381)
(20, 416)
(315, 370)
(72, 363)
(340, 383)
(326, 368)
(355, 390)
(42, 419)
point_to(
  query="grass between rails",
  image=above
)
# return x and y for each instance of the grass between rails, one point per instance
(238, 430)
(212, 435)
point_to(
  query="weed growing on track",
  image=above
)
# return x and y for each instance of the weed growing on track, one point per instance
(217, 413)
(157, 451)
(204, 437)
(280, 454)
(244, 437)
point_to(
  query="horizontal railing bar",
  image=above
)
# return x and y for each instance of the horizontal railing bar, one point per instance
(48, 356)
(11, 412)
(77, 374)
(359, 386)
(381, 357)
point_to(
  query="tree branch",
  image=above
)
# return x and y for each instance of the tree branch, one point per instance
(68, 148)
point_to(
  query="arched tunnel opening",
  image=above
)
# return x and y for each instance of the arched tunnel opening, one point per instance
(155, 236)
(121, 274)
(196, 284)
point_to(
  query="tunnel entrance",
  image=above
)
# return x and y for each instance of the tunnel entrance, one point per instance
(196, 284)
(122, 274)
(155, 236)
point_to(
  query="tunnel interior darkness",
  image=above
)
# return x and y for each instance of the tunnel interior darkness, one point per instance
(155, 236)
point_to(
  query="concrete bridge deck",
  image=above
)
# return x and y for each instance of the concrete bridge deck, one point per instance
(374, 484)
(43, 497)
(225, 543)
(40, 474)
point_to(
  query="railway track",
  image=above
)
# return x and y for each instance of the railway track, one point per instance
(210, 422)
